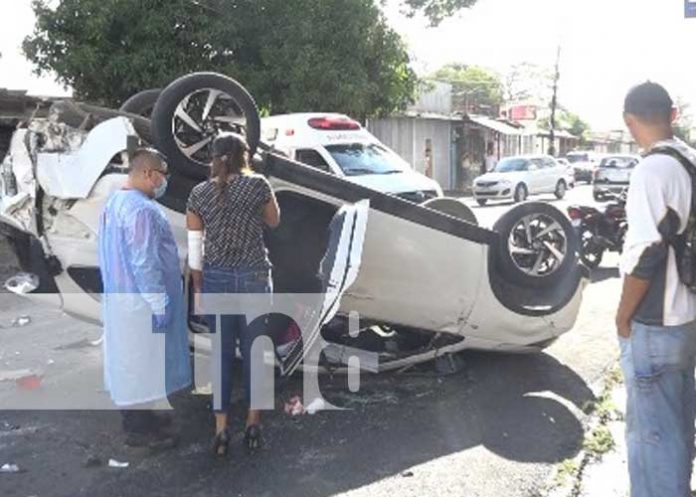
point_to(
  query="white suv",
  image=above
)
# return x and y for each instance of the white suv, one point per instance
(518, 177)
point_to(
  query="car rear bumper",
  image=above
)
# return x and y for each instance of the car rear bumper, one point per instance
(605, 188)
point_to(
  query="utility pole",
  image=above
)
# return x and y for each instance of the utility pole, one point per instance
(554, 104)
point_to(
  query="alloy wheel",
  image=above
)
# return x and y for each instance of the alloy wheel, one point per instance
(538, 245)
(200, 117)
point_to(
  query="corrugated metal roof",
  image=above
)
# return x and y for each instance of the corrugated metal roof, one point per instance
(429, 115)
(496, 126)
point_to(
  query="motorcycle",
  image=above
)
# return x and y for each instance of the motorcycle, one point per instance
(599, 231)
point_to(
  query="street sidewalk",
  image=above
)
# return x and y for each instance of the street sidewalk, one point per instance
(601, 469)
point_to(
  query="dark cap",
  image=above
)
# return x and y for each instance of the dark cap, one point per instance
(648, 100)
(228, 144)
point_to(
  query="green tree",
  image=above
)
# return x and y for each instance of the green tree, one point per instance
(436, 10)
(293, 56)
(684, 125)
(527, 81)
(475, 89)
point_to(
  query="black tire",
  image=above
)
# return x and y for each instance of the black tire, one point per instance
(562, 238)
(142, 103)
(592, 259)
(590, 254)
(560, 190)
(521, 193)
(452, 207)
(481, 201)
(163, 120)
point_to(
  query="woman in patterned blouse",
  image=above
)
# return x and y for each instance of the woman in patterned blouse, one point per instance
(229, 212)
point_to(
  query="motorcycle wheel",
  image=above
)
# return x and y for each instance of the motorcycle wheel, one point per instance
(590, 254)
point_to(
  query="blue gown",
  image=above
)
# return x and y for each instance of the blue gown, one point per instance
(140, 270)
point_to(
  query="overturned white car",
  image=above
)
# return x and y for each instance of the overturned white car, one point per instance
(424, 279)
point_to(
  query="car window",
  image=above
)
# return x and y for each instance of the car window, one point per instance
(539, 163)
(511, 164)
(618, 162)
(572, 158)
(356, 159)
(549, 162)
(312, 158)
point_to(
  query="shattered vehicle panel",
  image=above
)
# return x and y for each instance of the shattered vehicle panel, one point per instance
(423, 283)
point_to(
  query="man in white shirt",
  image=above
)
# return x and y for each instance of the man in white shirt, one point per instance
(655, 319)
(491, 160)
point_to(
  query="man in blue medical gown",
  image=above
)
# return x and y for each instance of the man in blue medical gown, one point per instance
(146, 355)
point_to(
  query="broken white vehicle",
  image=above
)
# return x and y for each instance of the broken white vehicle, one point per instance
(425, 280)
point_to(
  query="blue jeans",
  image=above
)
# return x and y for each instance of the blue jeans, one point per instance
(658, 367)
(234, 329)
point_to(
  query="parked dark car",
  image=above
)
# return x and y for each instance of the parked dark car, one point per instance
(613, 176)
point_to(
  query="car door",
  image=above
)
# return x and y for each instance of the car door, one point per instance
(536, 175)
(338, 271)
(553, 172)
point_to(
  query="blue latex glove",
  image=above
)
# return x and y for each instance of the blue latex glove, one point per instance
(160, 322)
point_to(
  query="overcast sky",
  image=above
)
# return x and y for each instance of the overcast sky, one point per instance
(607, 46)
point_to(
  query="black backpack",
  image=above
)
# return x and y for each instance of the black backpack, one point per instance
(685, 243)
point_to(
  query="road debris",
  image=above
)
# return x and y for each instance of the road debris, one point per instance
(29, 382)
(294, 407)
(113, 463)
(315, 406)
(22, 283)
(9, 468)
(6, 427)
(21, 321)
(203, 390)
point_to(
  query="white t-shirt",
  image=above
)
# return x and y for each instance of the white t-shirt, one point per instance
(658, 207)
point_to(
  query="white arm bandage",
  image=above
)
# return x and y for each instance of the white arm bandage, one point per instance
(195, 250)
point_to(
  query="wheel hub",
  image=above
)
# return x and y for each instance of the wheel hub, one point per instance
(538, 245)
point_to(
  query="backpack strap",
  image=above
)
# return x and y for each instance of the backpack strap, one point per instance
(689, 166)
(679, 240)
(678, 156)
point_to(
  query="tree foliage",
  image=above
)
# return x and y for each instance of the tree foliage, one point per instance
(527, 81)
(436, 10)
(293, 56)
(684, 125)
(475, 89)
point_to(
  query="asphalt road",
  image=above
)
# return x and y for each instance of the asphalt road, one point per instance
(496, 428)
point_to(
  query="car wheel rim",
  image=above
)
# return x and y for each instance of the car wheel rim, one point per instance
(538, 245)
(200, 117)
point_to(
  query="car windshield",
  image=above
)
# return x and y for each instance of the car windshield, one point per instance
(511, 165)
(356, 159)
(577, 158)
(618, 162)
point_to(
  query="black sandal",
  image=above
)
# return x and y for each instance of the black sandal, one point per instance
(252, 438)
(221, 443)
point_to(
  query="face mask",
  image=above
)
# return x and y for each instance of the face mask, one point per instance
(160, 190)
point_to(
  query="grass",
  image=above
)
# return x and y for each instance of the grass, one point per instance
(568, 469)
(599, 441)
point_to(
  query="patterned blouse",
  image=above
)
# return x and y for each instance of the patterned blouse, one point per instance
(233, 221)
